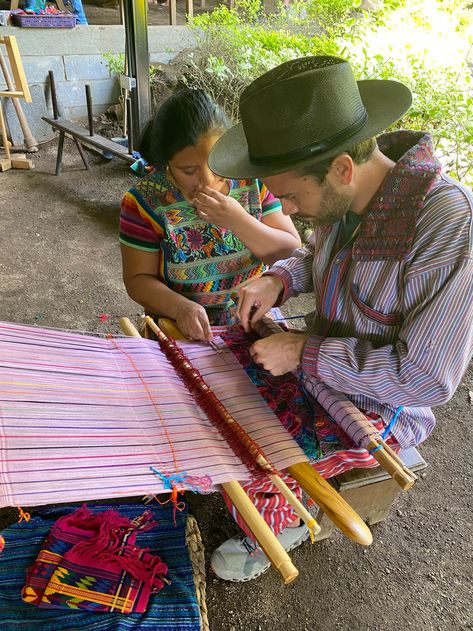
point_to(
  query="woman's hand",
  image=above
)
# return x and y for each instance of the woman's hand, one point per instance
(221, 210)
(192, 320)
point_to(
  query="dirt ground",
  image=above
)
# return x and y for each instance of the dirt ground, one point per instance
(60, 267)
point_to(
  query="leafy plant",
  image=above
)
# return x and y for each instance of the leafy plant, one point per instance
(115, 62)
(393, 42)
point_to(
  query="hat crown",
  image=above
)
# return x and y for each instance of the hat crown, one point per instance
(309, 105)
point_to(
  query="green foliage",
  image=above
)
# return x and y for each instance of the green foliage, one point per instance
(426, 44)
(236, 46)
(115, 62)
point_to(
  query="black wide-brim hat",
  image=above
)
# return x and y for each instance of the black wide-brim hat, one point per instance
(305, 111)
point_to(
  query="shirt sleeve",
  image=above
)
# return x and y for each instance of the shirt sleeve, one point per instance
(269, 203)
(136, 228)
(426, 362)
(295, 273)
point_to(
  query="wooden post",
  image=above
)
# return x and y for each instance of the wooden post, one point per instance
(189, 9)
(90, 114)
(172, 13)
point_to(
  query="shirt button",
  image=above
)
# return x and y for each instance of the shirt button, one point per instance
(338, 261)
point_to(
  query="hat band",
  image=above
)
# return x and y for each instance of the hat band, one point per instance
(314, 148)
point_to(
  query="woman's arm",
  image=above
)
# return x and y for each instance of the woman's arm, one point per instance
(272, 239)
(140, 277)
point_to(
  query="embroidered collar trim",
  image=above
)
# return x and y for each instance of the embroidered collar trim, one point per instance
(387, 229)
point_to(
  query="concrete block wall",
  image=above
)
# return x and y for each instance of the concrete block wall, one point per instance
(76, 58)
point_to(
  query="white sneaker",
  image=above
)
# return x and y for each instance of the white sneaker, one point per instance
(239, 559)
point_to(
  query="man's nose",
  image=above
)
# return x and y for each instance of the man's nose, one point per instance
(288, 207)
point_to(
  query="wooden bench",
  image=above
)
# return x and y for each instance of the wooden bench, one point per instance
(81, 136)
(370, 492)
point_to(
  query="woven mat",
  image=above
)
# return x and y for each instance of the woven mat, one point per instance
(196, 553)
(178, 607)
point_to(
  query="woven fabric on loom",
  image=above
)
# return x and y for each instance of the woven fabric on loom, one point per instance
(174, 608)
(328, 447)
(86, 418)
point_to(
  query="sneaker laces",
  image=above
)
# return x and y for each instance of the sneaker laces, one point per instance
(249, 545)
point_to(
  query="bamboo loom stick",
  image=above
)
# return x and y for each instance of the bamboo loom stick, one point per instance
(272, 548)
(397, 458)
(321, 491)
(390, 464)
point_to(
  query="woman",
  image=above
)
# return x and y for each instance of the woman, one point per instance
(189, 238)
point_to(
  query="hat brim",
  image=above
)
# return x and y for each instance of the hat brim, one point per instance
(385, 102)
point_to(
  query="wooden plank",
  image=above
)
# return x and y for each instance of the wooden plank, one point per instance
(16, 65)
(11, 94)
(99, 142)
(21, 162)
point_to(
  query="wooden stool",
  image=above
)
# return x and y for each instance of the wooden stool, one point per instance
(370, 492)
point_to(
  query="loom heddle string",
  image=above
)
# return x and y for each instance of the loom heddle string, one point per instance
(178, 481)
(243, 446)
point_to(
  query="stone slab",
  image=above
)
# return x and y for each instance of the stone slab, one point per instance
(86, 67)
(72, 93)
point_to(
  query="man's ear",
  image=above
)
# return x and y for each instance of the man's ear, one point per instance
(342, 168)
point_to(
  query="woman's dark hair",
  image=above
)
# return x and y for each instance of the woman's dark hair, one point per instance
(181, 120)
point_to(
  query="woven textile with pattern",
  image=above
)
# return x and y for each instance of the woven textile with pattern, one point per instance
(174, 608)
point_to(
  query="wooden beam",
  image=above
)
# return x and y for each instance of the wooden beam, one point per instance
(190, 9)
(172, 12)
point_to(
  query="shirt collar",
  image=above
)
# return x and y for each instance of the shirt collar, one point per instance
(388, 227)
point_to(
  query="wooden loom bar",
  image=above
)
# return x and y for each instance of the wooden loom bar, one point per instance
(321, 491)
(276, 554)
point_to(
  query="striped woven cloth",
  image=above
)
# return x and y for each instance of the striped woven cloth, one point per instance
(174, 608)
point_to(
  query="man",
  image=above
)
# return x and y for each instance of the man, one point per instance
(390, 262)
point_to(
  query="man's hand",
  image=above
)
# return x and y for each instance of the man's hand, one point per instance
(279, 353)
(193, 321)
(257, 298)
(221, 210)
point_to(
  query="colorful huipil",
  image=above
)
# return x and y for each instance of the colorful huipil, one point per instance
(199, 260)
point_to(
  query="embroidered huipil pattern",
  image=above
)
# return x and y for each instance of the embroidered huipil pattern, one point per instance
(393, 320)
(202, 261)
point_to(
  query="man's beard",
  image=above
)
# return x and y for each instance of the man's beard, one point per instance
(333, 206)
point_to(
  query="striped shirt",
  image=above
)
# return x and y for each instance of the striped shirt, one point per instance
(199, 260)
(393, 309)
